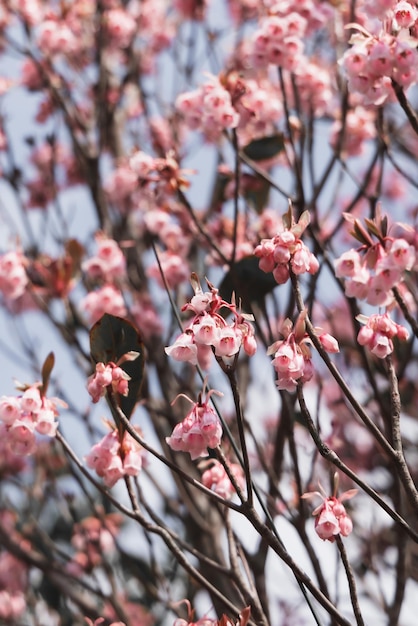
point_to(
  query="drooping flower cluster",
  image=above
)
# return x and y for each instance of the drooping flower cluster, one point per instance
(279, 41)
(216, 478)
(331, 518)
(208, 109)
(200, 429)
(292, 355)
(209, 332)
(371, 276)
(92, 539)
(108, 263)
(110, 375)
(287, 251)
(24, 416)
(378, 334)
(374, 61)
(113, 459)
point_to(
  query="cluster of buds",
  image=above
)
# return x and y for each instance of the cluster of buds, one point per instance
(372, 271)
(216, 478)
(113, 458)
(108, 263)
(208, 331)
(200, 429)
(331, 518)
(24, 416)
(292, 355)
(378, 333)
(286, 251)
(110, 376)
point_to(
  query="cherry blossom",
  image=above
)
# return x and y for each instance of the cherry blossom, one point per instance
(23, 416)
(378, 334)
(331, 518)
(200, 429)
(216, 478)
(209, 329)
(112, 459)
(286, 251)
(292, 355)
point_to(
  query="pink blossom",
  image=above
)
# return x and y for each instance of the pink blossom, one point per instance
(120, 26)
(216, 478)
(107, 299)
(405, 14)
(378, 332)
(228, 341)
(112, 460)
(108, 264)
(174, 268)
(10, 409)
(286, 250)
(331, 518)
(199, 430)
(183, 349)
(13, 278)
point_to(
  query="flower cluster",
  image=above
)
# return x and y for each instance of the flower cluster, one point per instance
(216, 478)
(292, 355)
(24, 416)
(113, 459)
(286, 251)
(108, 263)
(372, 276)
(200, 429)
(378, 333)
(279, 41)
(374, 61)
(208, 331)
(92, 539)
(208, 109)
(110, 375)
(331, 518)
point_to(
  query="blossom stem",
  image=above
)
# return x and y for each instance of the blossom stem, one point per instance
(333, 458)
(408, 110)
(393, 454)
(351, 581)
(230, 372)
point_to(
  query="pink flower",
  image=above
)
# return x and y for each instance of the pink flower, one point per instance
(107, 299)
(216, 478)
(13, 278)
(286, 250)
(112, 459)
(120, 27)
(200, 429)
(331, 518)
(405, 14)
(378, 332)
(228, 341)
(10, 409)
(184, 348)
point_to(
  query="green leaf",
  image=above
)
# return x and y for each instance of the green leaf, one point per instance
(250, 284)
(47, 368)
(264, 148)
(110, 339)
